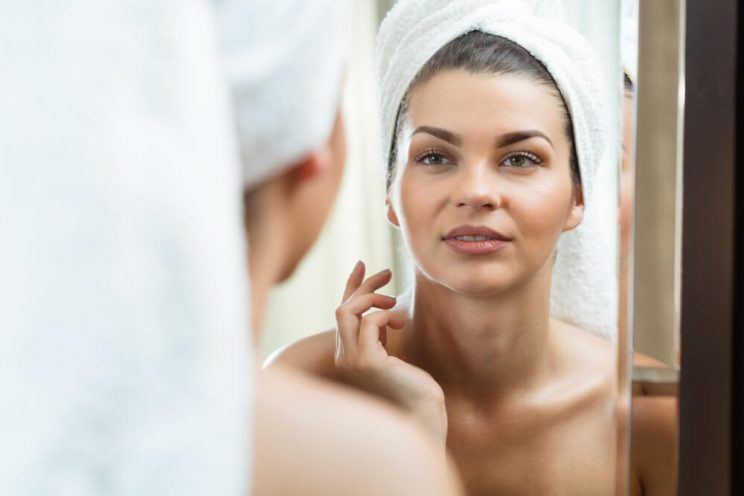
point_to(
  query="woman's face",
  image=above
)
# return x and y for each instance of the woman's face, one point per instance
(485, 188)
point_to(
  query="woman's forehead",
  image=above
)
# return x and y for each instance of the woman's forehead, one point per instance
(462, 101)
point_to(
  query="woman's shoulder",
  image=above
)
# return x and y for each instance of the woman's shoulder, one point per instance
(584, 349)
(584, 370)
(654, 446)
(321, 422)
(654, 418)
(313, 354)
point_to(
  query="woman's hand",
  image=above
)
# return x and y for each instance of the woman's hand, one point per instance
(362, 356)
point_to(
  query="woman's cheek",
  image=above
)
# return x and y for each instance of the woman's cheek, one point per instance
(542, 209)
(416, 222)
(419, 209)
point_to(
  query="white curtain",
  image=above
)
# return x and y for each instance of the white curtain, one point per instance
(357, 228)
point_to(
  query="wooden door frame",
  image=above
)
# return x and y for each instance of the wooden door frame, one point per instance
(711, 389)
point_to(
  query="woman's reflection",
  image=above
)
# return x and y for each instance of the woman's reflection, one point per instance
(492, 155)
(654, 419)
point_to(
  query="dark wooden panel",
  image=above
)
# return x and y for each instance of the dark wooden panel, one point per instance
(707, 317)
(738, 389)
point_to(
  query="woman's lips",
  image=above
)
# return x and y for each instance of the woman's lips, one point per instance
(476, 247)
(475, 240)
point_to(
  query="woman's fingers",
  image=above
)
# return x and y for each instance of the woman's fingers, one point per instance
(356, 284)
(349, 314)
(371, 327)
(374, 282)
(359, 296)
(358, 304)
(355, 279)
(347, 327)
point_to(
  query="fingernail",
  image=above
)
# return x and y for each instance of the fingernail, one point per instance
(358, 264)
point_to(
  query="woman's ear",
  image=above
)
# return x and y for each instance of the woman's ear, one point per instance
(576, 214)
(330, 156)
(309, 166)
(392, 217)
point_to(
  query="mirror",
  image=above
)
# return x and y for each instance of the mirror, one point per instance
(358, 228)
(651, 250)
(660, 94)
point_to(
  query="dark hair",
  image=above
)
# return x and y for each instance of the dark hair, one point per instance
(628, 84)
(482, 53)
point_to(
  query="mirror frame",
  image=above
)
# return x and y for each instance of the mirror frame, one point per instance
(712, 385)
(655, 261)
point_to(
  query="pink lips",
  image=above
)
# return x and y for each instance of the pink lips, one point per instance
(475, 240)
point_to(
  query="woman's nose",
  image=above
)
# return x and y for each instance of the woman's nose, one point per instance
(477, 187)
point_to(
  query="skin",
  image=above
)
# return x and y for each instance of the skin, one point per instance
(312, 437)
(623, 403)
(284, 216)
(523, 402)
(627, 179)
(333, 447)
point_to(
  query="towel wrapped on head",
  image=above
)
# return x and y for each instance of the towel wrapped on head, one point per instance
(285, 66)
(584, 286)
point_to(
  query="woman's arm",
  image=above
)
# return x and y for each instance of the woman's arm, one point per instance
(654, 445)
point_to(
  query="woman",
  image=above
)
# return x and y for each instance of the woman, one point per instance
(489, 164)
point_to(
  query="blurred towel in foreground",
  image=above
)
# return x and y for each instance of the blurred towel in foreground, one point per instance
(123, 350)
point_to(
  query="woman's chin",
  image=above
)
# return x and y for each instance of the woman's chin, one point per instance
(475, 285)
(480, 290)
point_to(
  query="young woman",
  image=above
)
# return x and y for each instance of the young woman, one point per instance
(293, 162)
(484, 178)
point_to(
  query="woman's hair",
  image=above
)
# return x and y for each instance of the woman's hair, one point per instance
(482, 53)
(628, 84)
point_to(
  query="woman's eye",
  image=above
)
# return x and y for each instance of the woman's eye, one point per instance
(521, 160)
(432, 158)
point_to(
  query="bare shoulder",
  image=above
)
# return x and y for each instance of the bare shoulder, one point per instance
(646, 362)
(590, 355)
(654, 446)
(641, 360)
(313, 354)
(312, 437)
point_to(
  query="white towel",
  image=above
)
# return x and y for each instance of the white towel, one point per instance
(285, 64)
(124, 360)
(584, 290)
(629, 40)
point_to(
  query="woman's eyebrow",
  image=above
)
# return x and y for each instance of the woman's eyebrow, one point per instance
(440, 133)
(503, 140)
(516, 137)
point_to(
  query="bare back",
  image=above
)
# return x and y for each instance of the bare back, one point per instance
(312, 438)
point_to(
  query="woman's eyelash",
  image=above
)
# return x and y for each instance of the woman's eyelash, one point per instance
(522, 154)
(436, 157)
(421, 157)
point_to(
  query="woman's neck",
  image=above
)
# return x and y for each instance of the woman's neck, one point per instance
(482, 346)
(265, 227)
